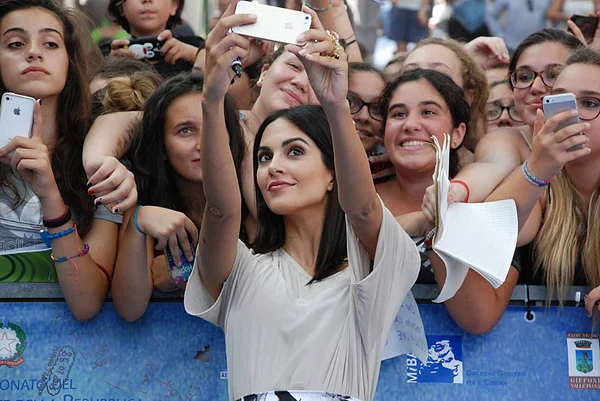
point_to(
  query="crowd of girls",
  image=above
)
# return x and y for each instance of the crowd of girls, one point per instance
(301, 193)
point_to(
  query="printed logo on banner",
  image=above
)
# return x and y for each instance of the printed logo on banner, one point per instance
(12, 345)
(444, 362)
(584, 365)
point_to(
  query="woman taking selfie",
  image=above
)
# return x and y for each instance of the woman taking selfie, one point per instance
(313, 300)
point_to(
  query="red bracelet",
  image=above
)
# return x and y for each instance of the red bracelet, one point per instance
(62, 216)
(464, 184)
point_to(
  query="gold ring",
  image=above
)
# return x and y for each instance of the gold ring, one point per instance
(337, 47)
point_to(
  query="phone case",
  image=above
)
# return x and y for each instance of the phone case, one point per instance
(275, 24)
(146, 47)
(16, 116)
(555, 104)
(179, 275)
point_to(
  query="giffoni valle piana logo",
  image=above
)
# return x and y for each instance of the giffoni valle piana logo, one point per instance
(12, 345)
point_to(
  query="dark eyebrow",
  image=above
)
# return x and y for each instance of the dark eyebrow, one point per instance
(183, 123)
(43, 30)
(430, 103)
(288, 141)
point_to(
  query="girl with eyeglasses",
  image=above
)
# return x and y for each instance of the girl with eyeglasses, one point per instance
(557, 190)
(365, 85)
(534, 67)
(501, 109)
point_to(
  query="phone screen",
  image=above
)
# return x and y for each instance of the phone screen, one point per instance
(587, 25)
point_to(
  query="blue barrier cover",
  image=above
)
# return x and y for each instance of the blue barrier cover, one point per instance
(168, 355)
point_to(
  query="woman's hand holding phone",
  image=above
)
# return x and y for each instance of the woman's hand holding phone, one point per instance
(328, 75)
(32, 160)
(112, 184)
(171, 229)
(222, 48)
(550, 149)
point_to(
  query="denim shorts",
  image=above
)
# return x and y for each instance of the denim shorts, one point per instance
(402, 25)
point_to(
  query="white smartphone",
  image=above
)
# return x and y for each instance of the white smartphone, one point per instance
(554, 104)
(16, 116)
(275, 24)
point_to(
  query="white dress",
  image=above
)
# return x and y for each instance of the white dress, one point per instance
(282, 334)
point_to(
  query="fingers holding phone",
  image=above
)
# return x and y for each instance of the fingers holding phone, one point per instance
(559, 136)
(119, 48)
(26, 151)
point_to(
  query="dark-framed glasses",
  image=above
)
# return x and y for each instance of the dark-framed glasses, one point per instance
(523, 78)
(356, 105)
(588, 108)
(495, 110)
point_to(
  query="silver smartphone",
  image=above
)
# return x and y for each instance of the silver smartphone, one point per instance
(275, 24)
(16, 116)
(554, 104)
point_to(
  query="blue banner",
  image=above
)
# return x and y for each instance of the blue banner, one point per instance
(168, 355)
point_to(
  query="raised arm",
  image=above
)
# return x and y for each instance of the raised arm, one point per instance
(328, 77)
(222, 215)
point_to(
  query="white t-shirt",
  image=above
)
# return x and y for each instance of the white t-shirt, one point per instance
(281, 334)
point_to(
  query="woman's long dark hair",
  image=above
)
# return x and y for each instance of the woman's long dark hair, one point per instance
(271, 228)
(73, 116)
(452, 94)
(155, 177)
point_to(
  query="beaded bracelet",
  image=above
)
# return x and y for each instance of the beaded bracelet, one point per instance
(532, 178)
(319, 9)
(47, 237)
(135, 223)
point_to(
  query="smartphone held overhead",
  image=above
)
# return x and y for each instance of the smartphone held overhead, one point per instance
(274, 24)
(587, 25)
(16, 117)
(554, 104)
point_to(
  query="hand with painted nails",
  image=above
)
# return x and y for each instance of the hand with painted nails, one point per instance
(112, 184)
(169, 228)
(32, 160)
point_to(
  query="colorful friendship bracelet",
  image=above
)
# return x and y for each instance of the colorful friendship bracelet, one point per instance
(84, 251)
(135, 222)
(532, 178)
(319, 9)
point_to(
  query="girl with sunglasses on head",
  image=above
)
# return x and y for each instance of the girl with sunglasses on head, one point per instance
(317, 293)
(557, 189)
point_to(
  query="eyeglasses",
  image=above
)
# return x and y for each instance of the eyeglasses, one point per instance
(356, 105)
(588, 108)
(523, 78)
(495, 110)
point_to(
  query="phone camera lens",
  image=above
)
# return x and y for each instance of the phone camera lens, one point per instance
(7, 98)
(306, 18)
